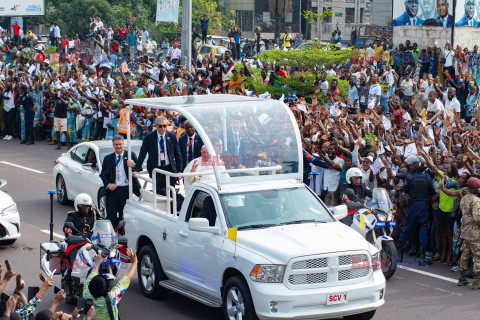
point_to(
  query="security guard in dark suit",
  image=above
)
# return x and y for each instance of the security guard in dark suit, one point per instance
(25, 99)
(115, 180)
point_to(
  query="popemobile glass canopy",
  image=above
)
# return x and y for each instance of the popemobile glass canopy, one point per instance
(240, 133)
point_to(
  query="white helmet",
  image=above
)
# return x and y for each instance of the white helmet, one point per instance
(353, 173)
(39, 47)
(81, 200)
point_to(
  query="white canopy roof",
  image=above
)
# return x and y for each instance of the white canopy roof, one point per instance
(254, 133)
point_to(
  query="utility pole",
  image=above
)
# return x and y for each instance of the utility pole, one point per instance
(187, 34)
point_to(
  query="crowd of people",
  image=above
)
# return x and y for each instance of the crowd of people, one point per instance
(409, 119)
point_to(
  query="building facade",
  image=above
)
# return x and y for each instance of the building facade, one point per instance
(346, 14)
(381, 12)
(251, 14)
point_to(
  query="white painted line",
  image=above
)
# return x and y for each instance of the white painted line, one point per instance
(433, 275)
(21, 167)
(54, 234)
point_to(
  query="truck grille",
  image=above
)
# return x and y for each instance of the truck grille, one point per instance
(328, 270)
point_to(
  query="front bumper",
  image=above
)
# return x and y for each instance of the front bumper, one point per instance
(10, 227)
(312, 303)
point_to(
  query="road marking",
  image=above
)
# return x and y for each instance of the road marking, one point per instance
(54, 234)
(21, 167)
(433, 275)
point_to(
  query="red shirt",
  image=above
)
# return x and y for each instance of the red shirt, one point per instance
(282, 73)
(115, 46)
(119, 32)
(65, 43)
(40, 57)
(399, 119)
(16, 30)
(124, 32)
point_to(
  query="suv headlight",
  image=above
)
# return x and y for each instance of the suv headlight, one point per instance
(9, 210)
(376, 261)
(267, 273)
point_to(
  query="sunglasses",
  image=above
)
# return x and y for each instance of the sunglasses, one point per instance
(161, 125)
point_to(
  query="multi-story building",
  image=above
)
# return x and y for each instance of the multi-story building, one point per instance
(256, 13)
(346, 14)
(381, 13)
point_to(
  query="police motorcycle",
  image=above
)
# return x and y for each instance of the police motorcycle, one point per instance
(103, 238)
(374, 220)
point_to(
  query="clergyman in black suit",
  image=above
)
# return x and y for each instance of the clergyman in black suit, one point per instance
(115, 180)
(190, 145)
(163, 153)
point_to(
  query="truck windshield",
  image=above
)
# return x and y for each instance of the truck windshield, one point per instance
(265, 208)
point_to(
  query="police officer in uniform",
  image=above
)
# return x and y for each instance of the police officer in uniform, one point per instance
(83, 218)
(419, 188)
(470, 205)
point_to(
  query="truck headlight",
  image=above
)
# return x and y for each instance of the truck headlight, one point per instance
(9, 210)
(376, 261)
(267, 273)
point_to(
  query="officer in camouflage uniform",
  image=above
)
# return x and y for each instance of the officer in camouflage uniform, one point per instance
(470, 206)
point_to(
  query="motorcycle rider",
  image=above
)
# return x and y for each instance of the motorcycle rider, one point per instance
(83, 218)
(419, 188)
(352, 193)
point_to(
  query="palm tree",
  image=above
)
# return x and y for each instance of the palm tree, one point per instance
(279, 10)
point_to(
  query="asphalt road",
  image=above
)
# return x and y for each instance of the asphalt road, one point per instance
(421, 294)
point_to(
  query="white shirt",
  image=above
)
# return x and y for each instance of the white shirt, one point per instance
(57, 32)
(120, 174)
(389, 77)
(448, 58)
(324, 86)
(427, 88)
(453, 104)
(176, 53)
(374, 92)
(408, 87)
(435, 106)
(167, 162)
(144, 35)
(202, 167)
(353, 94)
(331, 177)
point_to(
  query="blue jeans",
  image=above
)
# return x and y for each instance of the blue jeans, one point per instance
(417, 213)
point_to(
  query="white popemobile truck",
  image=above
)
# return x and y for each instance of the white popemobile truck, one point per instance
(250, 237)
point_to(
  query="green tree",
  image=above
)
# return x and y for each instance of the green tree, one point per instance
(312, 60)
(315, 18)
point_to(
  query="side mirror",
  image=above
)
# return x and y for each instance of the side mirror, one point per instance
(201, 225)
(120, 225)
(340, 212)
(87, 166)
(71, 226)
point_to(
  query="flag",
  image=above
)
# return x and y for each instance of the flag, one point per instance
(232, 234)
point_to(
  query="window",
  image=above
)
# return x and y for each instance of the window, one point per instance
(361, 15)
(79, 154)
(202, 206)
(245, 20)
(205, 49)
(329, 18)
(350, 15)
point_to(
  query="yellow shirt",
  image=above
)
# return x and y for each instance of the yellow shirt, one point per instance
(286, 40)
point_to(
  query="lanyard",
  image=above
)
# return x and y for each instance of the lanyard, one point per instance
(189, 145)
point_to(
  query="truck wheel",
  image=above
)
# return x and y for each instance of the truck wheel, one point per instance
(237, 300)
(150, 272)
(362, 316)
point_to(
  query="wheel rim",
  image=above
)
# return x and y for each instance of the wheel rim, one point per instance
(102, 204)
(147, 272)
(386, 259)
(61, 189)
(235, 304)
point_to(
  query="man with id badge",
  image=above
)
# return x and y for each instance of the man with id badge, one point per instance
(163, 152)
(115, 180)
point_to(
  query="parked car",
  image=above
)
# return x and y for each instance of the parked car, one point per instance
(78, 170)
(212, 50)
(9, 218)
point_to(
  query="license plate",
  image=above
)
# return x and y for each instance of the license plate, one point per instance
(337, 298)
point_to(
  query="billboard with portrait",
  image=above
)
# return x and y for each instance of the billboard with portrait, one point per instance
(467, 13)
(434, 13)
(21, 8)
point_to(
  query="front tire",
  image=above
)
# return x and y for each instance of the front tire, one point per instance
(237, 300)
(62, 195)
(150, 272)
(362, 316)
(389, 259)
(7, 242)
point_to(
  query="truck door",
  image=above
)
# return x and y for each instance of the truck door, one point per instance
(200, 253)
